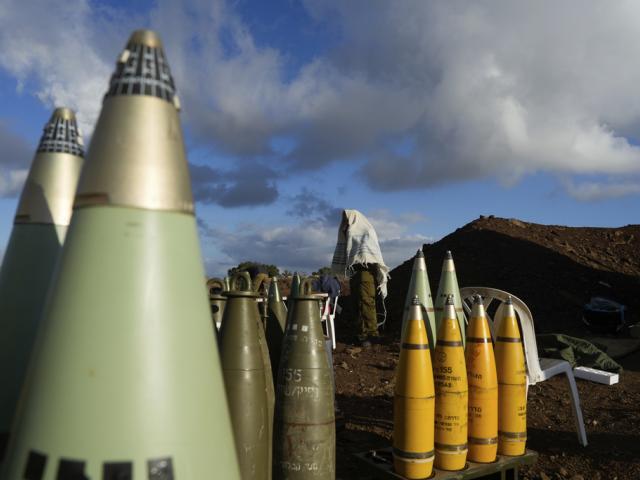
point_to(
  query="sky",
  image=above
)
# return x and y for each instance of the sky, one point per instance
(422, 115)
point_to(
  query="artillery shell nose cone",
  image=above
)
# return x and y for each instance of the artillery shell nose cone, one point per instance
(449, 299)
(137, 156)
(420, 254)
(477, 299)
(61, 134)
(48, 192)
(415, 301)
(145, 37)
(509, 300)
(448, 255)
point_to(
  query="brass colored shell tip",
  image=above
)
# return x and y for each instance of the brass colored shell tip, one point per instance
(145, 37)
(415, 301)
(448, 255)
(449, 299)
(64, 113)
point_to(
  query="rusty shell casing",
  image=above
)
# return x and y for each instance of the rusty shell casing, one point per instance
(305, 438)
(215, 286)
(448, 285)
(245, 382)
(42, 217)
(512, 385)
(419, 285)
(483, 388)
(414, 401)
(450, 376)
(276, 321)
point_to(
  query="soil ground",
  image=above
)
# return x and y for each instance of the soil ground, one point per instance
(555, 274)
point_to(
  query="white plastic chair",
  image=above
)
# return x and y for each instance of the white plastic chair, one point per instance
(327, 316)
(538, 369)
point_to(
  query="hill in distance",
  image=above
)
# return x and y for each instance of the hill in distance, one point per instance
(554, 269)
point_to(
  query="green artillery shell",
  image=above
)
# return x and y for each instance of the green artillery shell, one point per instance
(304, 441)
(449, 286)
(125, 378)
(40, 225)
(276, 321)
(245, 381)
(217, 301)
(419, 285)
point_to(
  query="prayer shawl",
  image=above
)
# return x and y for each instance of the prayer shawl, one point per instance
(358, 244)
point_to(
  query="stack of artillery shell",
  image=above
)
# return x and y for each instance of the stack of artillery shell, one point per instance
(419, 286)
(414, 401)
(247, 381)
(512, 384)
(305, 417)
(215, 286)
(450, 375)
(483, 387)
(449, 286)
(40, 226)
(276, 321)
(125, 380)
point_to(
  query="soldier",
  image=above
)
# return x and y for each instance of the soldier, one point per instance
(358, 256)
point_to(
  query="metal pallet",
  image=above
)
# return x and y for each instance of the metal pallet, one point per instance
(379, 464)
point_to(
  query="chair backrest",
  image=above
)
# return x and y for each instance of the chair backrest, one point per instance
(525, 318)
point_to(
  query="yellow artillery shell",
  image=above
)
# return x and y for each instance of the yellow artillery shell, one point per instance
(512, 386)
(413, 406)
(483, 388)
(451, 394)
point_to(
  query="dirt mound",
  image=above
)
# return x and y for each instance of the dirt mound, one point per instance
(554, 269)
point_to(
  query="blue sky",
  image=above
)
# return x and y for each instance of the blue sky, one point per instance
(423, 115)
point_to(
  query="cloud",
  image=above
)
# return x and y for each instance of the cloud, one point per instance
(594, 191)
(428, 94)
(492, 89)
(14, 162)
(311, 206)
(63, 52)
(305, 246)
(250, 186)
(396, 243)
(296, 248)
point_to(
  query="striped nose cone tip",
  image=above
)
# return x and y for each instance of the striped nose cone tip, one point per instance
(142, 69)
(61, 134)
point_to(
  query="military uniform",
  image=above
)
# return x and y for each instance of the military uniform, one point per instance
(363, 291)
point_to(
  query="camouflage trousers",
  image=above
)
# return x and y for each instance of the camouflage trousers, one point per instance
(363, 292)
